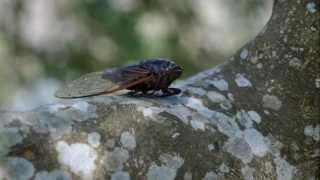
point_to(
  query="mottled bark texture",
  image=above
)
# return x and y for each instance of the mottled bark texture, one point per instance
(254, 117)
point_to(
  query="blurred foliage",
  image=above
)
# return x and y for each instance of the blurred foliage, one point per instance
(62, 39)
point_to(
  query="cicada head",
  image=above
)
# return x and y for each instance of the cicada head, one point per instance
(160, 67)
(174, 71)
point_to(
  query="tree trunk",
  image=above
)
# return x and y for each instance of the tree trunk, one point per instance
(254, 117)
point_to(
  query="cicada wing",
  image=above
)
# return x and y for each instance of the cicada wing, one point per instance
(96, 83)
(125, 74)
(86, 85)
(126, 85)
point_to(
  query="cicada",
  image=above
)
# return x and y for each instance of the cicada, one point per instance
(149, 77)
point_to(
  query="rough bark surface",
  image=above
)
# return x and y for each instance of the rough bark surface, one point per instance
(254, 117)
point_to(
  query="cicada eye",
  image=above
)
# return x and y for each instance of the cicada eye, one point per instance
(166, 65)
(178, 70)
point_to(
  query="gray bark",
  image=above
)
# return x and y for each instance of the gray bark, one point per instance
(254, 117)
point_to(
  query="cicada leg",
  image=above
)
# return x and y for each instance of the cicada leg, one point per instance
(140, 93)
(132, 93)
(170, 92)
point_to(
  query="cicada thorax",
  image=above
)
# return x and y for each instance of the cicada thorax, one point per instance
(160, 71)
(148, 84)
(158, 77)
(162, 81)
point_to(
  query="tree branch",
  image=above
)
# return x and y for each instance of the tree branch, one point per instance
(254, 117)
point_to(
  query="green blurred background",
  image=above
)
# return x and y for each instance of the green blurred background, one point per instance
(44, 42)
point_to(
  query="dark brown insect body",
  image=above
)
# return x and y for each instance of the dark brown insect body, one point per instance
(147, 77)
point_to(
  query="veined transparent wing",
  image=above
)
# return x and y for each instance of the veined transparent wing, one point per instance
(87, 85)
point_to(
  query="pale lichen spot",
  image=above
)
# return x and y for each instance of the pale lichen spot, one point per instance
(18, 168)
(187, 176)
(295, 63)
(161, 173)
(244, 54)
(128, 140)
(226, 105)
(197, 125)
(197, 104)
(230, 97)
(239, 149)
(110, 143)
(94, 139)
(259, 65)
(210, 176)
(211, 147)
(271, 102)
(180, 111)
(74, 155)
(115, 160)
(268, 166)
(241, 81)
(175, 135)
(216, 97)
(220, 84)
(284, 170)
(316, 133)
(9, 137)
(56, 107)
(57, 127)
(255, 116)
(224, 168)
(311, 7)
(247, 172)
(82, 111)
(244, 119)
(149, 112)
(82, 106)
(317, 82)
(120, 175)
(226, 125)
(308, 130)
(254, 59)
(197, 91)
(313, 132)
(168, 169)
(53, 175)
(256, 142)
(174, 161)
